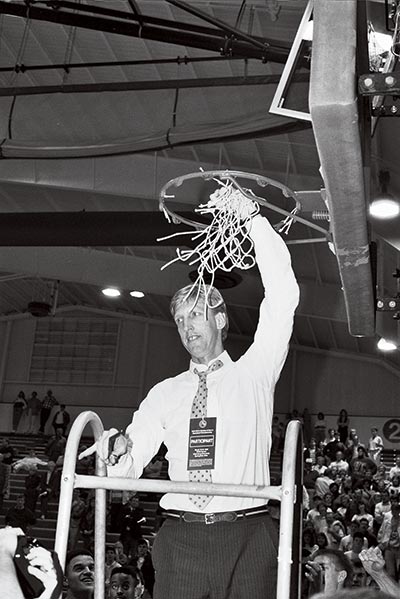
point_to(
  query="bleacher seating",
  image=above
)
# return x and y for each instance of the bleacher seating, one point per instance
(44, 530)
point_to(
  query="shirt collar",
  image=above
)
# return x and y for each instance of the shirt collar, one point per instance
(224, 358)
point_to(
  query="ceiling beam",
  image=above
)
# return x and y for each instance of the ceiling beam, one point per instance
(57, 229)
(214, 41)
(100, 268)
(158, 84)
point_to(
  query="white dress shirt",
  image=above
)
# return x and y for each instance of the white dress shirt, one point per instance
(240, 395)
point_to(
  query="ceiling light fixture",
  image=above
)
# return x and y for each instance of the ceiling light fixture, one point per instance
(385, 345)
(138, 294)
(111, 292)
(384, 206)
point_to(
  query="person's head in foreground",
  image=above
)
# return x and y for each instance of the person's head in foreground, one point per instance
(125, 583)
(79, 574)
(202, 321)
(334, 569)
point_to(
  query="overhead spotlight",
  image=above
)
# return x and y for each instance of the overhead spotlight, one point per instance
(136, 294)
(385, 345)
(111, 292)
(384, 205)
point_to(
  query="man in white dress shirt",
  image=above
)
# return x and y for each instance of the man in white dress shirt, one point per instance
(228, 546)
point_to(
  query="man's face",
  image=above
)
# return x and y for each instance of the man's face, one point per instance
(110, 556)
(200, 331)
(134, 502)
(20, 503)
(124, 586)
(80, 574)
(142, 550)
(331, 576)
(359, 577)
(364, 526)
(354, 526)
(357, 544)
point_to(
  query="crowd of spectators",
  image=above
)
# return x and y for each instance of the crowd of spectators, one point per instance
(31, 414)
(351, 502)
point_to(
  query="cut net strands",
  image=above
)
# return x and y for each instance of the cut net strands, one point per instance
(225, 243)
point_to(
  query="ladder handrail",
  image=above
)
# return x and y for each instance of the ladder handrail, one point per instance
(285, 493)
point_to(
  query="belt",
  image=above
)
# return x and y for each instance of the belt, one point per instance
(212, 518)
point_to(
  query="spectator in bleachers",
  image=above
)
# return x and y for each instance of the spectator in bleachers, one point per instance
(368, 533)
(320, 466)
(382, 508)
(309, 544)
(360, 464)
(395, 470)
(360, 576)
(61, 420)
(9, 455)
(131, 519)
(19, 407)
(309, 476)
(323, 482)
(356, 547)
(48, 403)
(362, 513)
(143, 562)
(375, 446)
(342, 508)
(33, 484)
(55, 449)
(343, 426)
(88, 524)
(394, 488)
(28, 462)
(56, 446)
(77, 511)
(340, 463)
(19, 516)
(79, 575)
(389, 540)
(125, 583)
(320, 428)
(110, 564)
(311, 452)
(34, 405)
(8, 451)
(346, 543)
(351, 445)
(331, 444)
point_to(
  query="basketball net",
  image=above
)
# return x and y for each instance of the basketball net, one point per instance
(225, 243)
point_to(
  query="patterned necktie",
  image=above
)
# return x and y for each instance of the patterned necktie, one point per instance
(199, 410)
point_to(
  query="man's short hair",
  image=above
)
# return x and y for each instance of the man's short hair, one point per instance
(75, 553)
(215, 301)
(129, 571)
(342, 562)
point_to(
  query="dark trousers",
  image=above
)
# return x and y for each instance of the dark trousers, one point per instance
(44, 416)
(225, 560)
